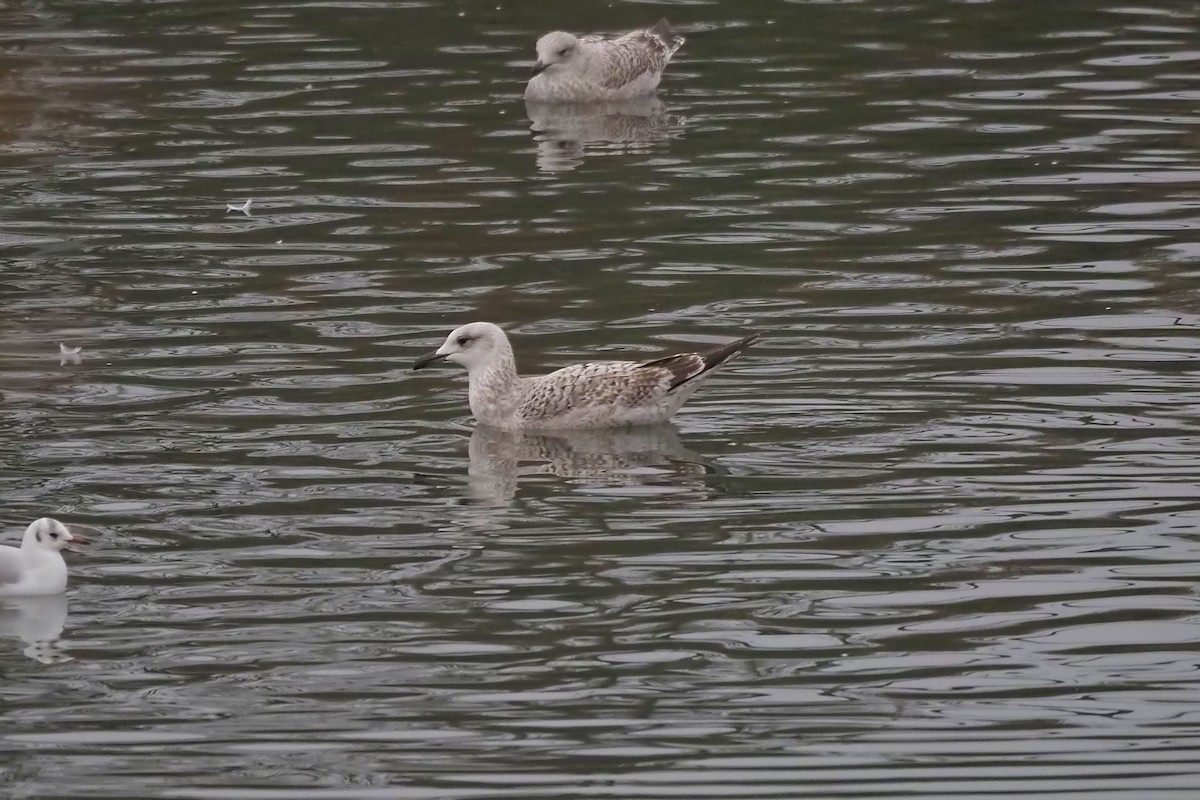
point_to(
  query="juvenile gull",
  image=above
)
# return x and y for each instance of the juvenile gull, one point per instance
(589, 69)
(37, 566)
(604, 394)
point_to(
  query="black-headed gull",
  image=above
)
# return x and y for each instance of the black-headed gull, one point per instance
(37, 566)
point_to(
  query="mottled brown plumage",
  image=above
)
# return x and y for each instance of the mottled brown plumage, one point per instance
(588, 69)
(602, 394)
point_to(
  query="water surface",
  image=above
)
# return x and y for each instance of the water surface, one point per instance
(934, 536)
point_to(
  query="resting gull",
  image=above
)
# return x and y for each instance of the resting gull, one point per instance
(589, 69)
(605, 394)
(37, 566)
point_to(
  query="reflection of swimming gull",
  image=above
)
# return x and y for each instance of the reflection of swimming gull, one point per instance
(604, 394)
(37, 566)
(68, 355)
(37, 621)
(642, 456)
(563, 130)
(587, 69)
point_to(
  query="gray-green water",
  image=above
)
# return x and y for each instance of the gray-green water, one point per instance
(936, 536)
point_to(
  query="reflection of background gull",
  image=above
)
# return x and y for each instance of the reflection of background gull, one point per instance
(564, 132)
(37, 621)
(651, 457)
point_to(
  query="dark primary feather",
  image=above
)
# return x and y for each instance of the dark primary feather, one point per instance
(686, 366)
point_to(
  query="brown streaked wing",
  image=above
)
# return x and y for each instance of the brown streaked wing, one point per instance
(632, 56)
(596, 385)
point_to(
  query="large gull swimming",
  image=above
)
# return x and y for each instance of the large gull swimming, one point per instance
(603, 394)
(589, 69)
(37, 566)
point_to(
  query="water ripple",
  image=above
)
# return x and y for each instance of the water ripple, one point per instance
(932, 536)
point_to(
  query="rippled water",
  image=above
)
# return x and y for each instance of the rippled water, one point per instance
(934, 536)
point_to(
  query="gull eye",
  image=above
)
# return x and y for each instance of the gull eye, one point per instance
(53, 534)
(564, 51)
(462, 341)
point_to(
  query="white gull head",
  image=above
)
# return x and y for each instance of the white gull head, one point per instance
(46, 534)
(37, 566)
(476, 346)
(555, 49)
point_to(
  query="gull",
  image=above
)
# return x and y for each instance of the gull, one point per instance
(588, 69)
(244, 207)
(603, 394)
(68, 355)
(37, 566)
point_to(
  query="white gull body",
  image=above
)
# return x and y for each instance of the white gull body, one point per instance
(603, 394)
(37, 566)
(589, 69)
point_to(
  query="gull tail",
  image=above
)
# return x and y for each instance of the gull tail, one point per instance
(687, 367)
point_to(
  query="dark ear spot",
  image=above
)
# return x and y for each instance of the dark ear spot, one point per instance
(38, 535)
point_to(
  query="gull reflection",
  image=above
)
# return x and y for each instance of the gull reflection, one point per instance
(38, 622)
(244, 208)
(68, 355)
(565, 133)
(650, 459)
